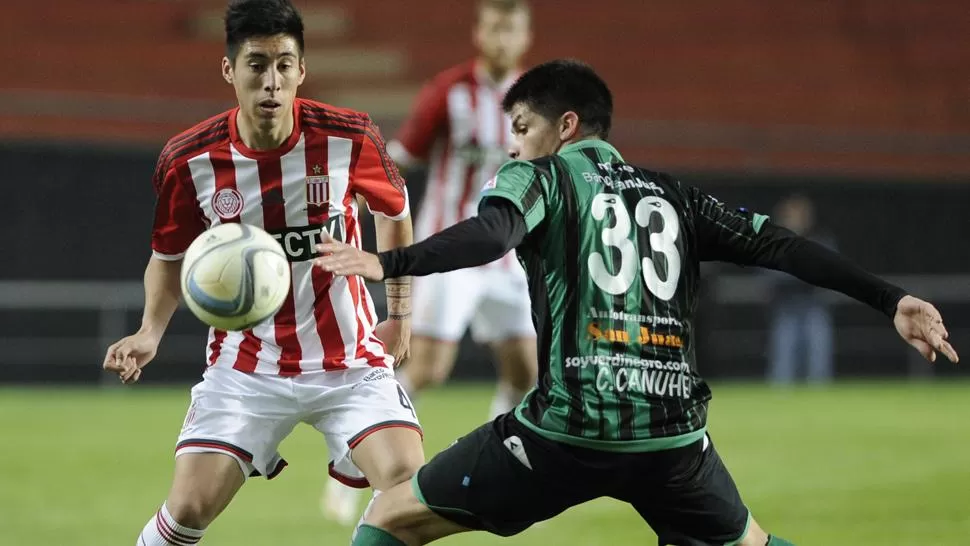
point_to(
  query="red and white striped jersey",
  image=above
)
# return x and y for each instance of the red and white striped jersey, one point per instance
(459, 129)
(207, 176)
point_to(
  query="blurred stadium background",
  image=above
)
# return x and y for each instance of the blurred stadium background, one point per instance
(862, 106)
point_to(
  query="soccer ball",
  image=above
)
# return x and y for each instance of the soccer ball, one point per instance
(234, 276)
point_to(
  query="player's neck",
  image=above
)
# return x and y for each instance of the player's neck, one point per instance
(495, 74)
(263, 138)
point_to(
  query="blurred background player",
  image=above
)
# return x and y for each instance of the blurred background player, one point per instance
(459, 131)
(802, 336)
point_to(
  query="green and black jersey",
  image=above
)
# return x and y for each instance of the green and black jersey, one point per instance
(612, 257)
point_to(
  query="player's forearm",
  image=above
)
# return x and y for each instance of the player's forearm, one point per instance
(469, 243)
(395, 234)
(821, 266)
(162, 292)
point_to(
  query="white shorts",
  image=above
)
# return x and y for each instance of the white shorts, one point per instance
(246, 416)
(493, 301)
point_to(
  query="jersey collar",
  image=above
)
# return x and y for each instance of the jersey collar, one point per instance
(590, 143)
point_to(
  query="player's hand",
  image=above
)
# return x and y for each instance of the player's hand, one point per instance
(396, 335)
(921, 325)
(129, 355)
(343, 259)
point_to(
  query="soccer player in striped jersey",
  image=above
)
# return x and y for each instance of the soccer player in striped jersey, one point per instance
(297, 169)
(460, 132)
(612, 252)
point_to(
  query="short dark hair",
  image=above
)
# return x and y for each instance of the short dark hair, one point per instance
(251, 18)
(556, 87)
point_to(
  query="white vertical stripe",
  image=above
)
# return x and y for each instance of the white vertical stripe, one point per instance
(339, 151)
(294, 169)
(204, 180)
(430, 210)
(247, 183)
(463, 127)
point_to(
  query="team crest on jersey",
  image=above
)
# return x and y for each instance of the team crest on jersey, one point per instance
(227, 203)
(317, 187)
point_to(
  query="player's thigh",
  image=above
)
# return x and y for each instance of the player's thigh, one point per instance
(444, 304)
(689, 498)
(517, 361)
(430, 363)
(500, 478)
(243, 416)
(371, 429)
(202, 487)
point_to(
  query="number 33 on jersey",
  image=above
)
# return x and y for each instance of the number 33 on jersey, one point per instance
(622, 243)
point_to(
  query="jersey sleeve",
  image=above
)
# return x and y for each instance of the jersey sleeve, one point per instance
(178, 220)
(426, 122)
(724, 234)
(376, 178)
(520, 183)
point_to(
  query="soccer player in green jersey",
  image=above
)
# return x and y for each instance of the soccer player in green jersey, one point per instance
(612, 253)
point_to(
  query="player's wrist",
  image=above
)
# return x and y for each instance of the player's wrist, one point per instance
(151, 332)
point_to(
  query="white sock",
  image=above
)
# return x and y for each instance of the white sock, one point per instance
(364, 515)
(163, 530)
(505, 399)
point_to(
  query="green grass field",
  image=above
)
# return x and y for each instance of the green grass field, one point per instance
(858, 464)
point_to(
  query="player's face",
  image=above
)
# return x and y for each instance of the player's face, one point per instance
(535, 136)
(502, 37)
(267, 72)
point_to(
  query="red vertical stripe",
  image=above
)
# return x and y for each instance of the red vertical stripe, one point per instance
(327, 329)
(274, 218)
(356, 284)
(225, 173)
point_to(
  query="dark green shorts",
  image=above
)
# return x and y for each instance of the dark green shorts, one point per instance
(502, 478)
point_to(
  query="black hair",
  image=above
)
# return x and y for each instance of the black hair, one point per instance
(556, 87)
(251, 18)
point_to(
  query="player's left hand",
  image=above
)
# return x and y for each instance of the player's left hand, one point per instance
(921, 325)
(396, 335)
(343, 259)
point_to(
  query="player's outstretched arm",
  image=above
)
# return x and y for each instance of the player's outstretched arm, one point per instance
(129, 355)
(479, 240)
(744, 238)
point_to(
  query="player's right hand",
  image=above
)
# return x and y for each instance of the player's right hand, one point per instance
(921, 325)
(129, 355)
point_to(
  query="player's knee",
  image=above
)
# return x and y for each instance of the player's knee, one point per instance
(192, 510)
(398, 471)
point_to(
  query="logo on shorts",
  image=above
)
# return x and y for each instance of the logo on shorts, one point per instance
(227, 203)
(190, 416)
(514, 444)
(375, 375)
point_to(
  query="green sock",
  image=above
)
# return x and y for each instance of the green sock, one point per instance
(772, 541)
(368, 535)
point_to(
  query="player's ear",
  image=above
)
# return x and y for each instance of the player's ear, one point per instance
(568, 126)
(227, 70)
(302, 71)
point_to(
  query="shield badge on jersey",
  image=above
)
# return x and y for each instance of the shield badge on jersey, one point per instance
(317, 190)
